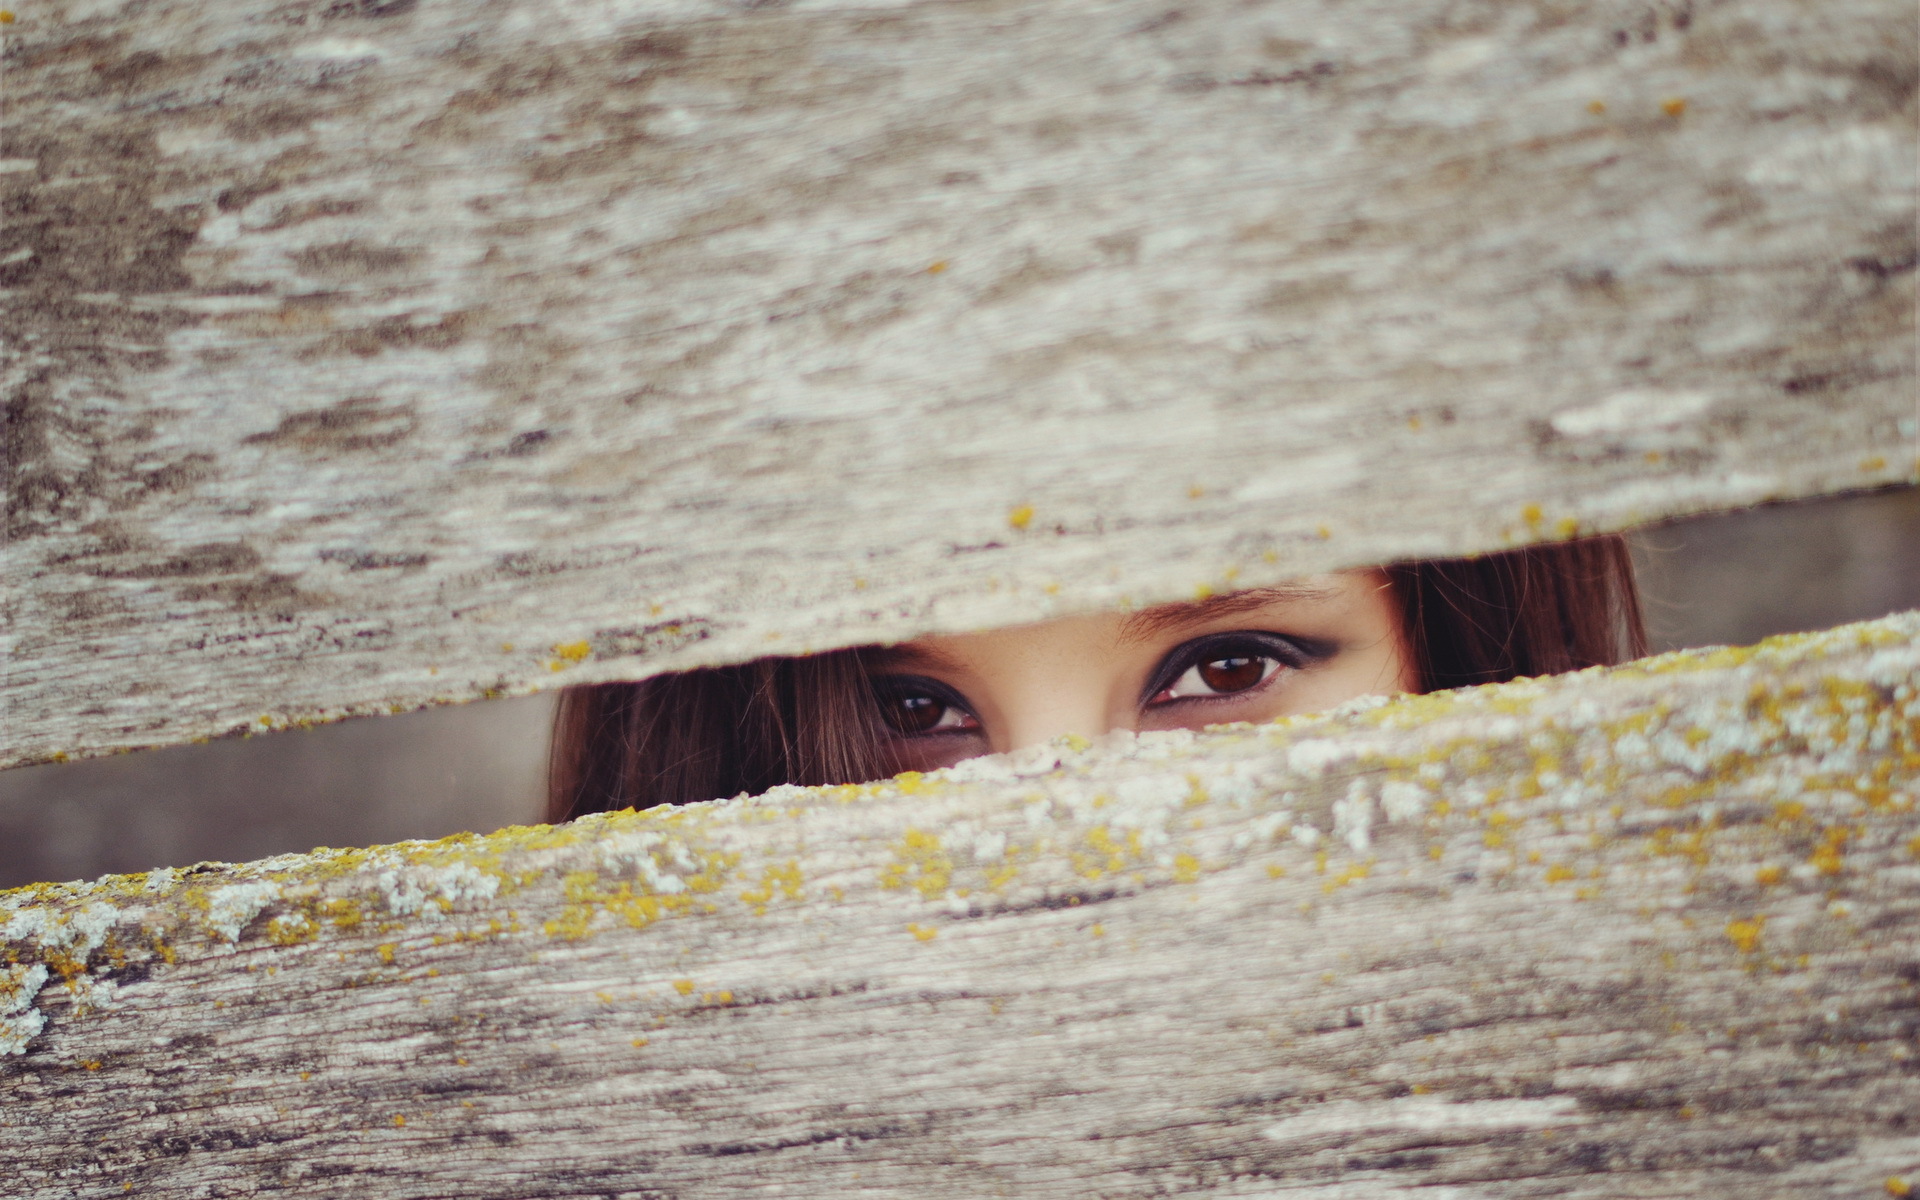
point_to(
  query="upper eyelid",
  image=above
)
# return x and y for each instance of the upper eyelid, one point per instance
(1177, 661)
(897, 678)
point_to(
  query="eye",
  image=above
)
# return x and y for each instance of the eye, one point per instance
(1229, 664)
(913, 707)
(922, 714)
(1223, 676)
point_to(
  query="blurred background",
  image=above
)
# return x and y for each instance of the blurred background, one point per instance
(1728, 578)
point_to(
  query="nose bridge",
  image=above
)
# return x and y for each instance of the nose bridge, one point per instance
(1042, 714)
(1063, 685)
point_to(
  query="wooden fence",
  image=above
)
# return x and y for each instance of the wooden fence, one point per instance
(361, 356)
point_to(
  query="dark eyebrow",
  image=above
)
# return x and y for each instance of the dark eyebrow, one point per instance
(1164, 618)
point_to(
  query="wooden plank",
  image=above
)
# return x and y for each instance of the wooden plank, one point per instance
(1641, 932)
(361, 356)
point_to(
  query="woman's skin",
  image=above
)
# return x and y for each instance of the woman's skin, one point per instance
(1247, 656)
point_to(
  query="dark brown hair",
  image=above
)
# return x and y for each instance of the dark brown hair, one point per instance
(725, 730)
(1537, 611)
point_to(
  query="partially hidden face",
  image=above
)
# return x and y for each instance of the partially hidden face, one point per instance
(1247, 656)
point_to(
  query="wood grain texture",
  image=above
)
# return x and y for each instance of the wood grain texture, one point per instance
(364, 355)
(1643, 932)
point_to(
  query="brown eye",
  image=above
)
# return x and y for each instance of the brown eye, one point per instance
(1232, 664)
(912, 714)
(912, 706)
(1224, 675)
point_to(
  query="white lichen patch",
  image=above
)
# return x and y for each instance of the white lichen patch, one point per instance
(72, 934)
(93, 992)
(232, 907)
(644, 854)
(433, 890)
(20, 1022)
(1402, 800)
(161, 881)
(1311, 757)
(1353, 818)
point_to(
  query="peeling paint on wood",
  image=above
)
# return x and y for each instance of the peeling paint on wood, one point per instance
(1641, 932)
(347, 345)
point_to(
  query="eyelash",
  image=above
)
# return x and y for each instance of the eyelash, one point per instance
(1284, 651)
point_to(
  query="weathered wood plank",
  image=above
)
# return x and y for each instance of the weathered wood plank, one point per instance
(365, 355)
(1646, 932)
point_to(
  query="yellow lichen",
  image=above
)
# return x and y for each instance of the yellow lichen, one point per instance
(783, 879)
(588, 895)
(342, 912)
(291, 929)
(919, 862)
(1746, 934)
(1827, 857)
(1351, 874)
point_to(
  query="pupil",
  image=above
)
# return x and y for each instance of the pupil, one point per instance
(1231, 674)
(914, 714)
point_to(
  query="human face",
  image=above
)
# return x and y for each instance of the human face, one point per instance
(1248, 656)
